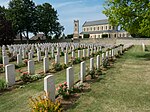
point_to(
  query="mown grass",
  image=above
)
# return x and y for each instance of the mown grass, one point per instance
(17, 100)
(124, 88)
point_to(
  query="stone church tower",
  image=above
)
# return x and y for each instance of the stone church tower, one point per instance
(76, 29)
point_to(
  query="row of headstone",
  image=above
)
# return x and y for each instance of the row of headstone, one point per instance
(49, 85)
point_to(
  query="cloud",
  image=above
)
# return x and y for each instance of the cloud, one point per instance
(81, 12)
(63, 4)
(4, 3)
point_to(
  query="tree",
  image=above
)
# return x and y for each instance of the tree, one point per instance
(131, 15)
(22, 15)
(6, 32)
(47, 20)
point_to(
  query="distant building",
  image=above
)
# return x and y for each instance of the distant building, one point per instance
(101, 28)
(38, 37)
(18, 38)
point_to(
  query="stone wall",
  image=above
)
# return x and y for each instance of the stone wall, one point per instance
(108, 41)
(134, 41)
(111, 41)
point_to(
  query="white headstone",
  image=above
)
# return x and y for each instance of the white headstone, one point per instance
(46, 64)
(49, 87)
(70, 77)
(57, 59)
(79, 53)
(30, 56)
(31, 68)
(84, 53)
(82, 71)
(10, 74)
(91, 64)
(46, 53)
(66, 58)
(73, 54)
(39, 55)
(98, 62)
(19, 59)
(5, 60)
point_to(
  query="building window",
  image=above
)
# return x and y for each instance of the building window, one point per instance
(98, 36)
(87, 29)
(84, 29)
(95, 36)
(102, 27)
(91, 28)
(110, 27)
(97, 28)
(94, 28)
(106, 27)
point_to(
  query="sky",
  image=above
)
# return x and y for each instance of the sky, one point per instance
(70, 10)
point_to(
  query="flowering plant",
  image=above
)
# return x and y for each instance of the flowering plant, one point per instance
(1, 68)
(57, 66)
(25, 61)
(63, 90)
(25, 77)
(43, 104)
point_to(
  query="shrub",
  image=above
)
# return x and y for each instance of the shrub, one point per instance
(3, 85)
(62, 54)
(36, 77)
(44, 104)
(63, 90)
(76, 60)
(98, 72)
(77, 88)
(64, 66)
(1, 68)
(13, 58)
(20, 65)
(25, 61)
(57, 66)
(25, 77)
(92, 74)
(105, 63)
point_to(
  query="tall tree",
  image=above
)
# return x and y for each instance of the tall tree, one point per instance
(6, 32)
(131, 15)
(22, 14)
(47, 20)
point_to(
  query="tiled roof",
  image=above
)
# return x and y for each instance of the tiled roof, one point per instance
(98, 22)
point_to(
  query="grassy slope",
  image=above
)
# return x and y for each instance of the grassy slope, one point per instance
(124, 88)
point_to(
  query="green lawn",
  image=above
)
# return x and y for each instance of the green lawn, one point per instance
(18, 100)
(124, 88)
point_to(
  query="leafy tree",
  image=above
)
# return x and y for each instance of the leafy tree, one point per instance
(6, 32)
(47, 20)
(22, 15)
(131, 15)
